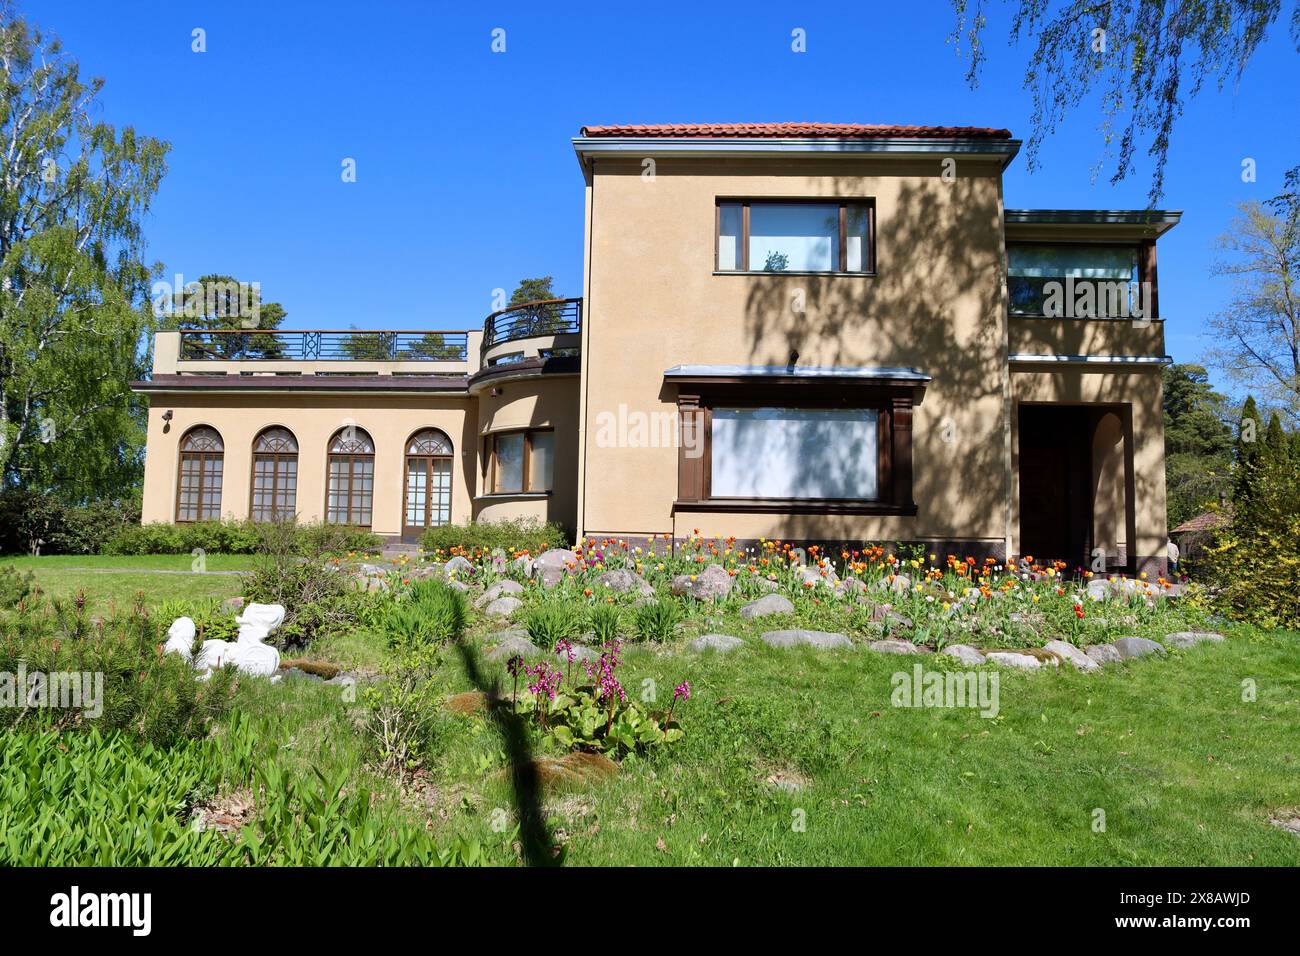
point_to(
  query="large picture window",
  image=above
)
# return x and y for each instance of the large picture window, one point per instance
(198, 488)
(350, 492)
(795, 236)
(275, 475)
(1075, 281)
(795, 453)
(521, 461)
(754, 439)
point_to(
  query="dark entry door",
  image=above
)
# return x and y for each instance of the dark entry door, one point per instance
(1056, 483)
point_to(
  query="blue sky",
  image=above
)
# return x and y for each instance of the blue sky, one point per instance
(466, 180)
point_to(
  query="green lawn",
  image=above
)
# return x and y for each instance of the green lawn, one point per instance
(110, 579)
(1185, 772)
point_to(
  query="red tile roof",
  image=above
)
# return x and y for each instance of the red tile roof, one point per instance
(1209, 521)
(829, 130)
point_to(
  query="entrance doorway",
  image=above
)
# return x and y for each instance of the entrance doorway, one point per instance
(1056, 500)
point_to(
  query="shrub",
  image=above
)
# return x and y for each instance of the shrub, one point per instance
(657, 620)
(317, 602)
(433, 613)
(240, 537)
(151, 696)
(605, 621)
(522, 534)
(36, 523)
(15, 585)
(212, 622)
(405, 720)
(551, 620)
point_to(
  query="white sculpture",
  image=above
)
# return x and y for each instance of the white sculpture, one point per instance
(247, 654)
(180, 638)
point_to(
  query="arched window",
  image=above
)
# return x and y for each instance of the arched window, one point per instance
(351, 477)
(275, 475)
(198, 488)
(428, 482)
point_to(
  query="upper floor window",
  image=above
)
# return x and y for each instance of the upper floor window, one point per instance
(1084, 281)
(796, 236)
(198, 490)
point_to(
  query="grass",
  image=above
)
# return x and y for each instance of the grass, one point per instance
(116, 579)
(1185, 770)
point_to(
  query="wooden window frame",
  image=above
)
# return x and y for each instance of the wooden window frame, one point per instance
(277, 458)
(350, 457)
(1144, 249)
(868, 203)
(491, 460)
(427, 459)
(202, 457)
(893, 405)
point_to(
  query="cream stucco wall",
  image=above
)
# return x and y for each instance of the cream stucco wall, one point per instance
(936, 304)
(547, 402)
(313, 419)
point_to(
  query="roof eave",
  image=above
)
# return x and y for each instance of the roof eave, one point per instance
(589, 148)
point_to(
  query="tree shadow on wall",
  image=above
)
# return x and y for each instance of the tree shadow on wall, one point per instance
(935, 305)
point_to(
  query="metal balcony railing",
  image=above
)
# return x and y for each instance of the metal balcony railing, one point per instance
(324, 346)
(530, 319)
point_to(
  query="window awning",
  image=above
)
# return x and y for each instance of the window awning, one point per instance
(796, 374)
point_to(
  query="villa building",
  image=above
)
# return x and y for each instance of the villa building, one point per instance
(809, 332)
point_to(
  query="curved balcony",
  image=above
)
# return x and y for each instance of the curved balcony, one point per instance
(547, 328)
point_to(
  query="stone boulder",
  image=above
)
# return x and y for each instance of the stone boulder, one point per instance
(1103, 653)
(1131, 647)
(1068, 652)
(852, 588)
(500, 589)
(721, 643)
(623, 581)
(821, 640)
(503, 606)
(711, 584)
(510, 643)
(1186, 639)
(766, 605)
(552, 566)
(814, 575)
(1023, 662)
(898, 647)
(964, 653)
(458, 566)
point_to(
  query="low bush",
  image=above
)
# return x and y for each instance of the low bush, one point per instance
(15, 585)
(523, 534)
(405, 720)
(212, 621)
(551, 620)
(605, 621)
(36, 523)
(432, 613)
(657, 620)
(63, 670)
(317, 602)
(240, 537)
